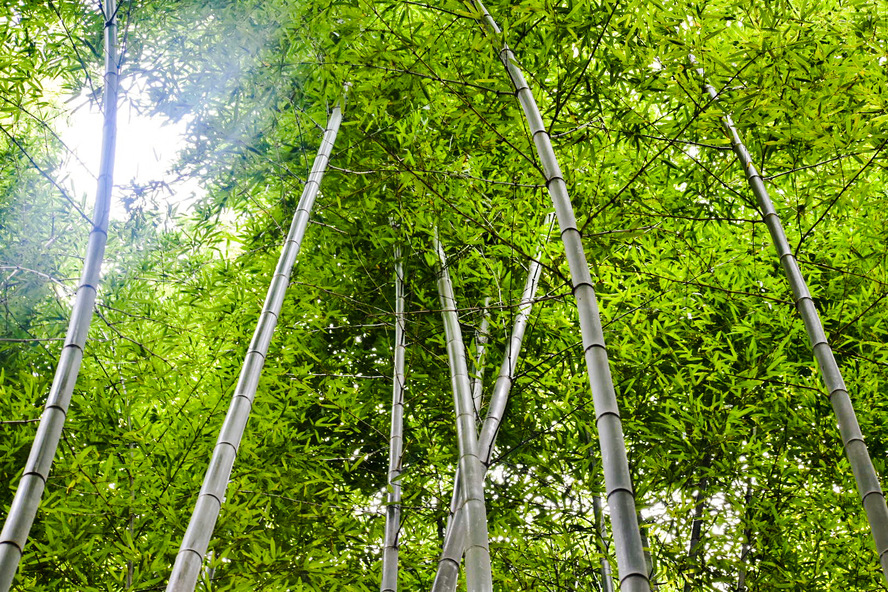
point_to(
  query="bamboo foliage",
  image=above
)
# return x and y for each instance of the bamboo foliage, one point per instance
(620, 494)
(868, 485)
(30, 490)
(454, 539)
(396, 442)
(471, 470)
(192, 551)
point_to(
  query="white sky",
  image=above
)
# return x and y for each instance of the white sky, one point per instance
(147, 147)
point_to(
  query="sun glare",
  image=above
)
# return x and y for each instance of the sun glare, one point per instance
(147, 150)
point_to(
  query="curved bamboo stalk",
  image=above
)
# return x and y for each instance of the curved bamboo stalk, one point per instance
(186, 569)
(454, 539)
(620, 495)
(478, 575)
(868, 485)
(481, 338)
(396, 442)
(30, 490)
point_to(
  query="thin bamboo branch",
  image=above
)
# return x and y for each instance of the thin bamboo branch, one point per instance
(648, 553)
(481, 338)
(478, 574)
(696, 528)
(747, 540)
(454, 539)
(30, 490)
(186, 569)
(396, 442)
(621, 496)
(868, 485)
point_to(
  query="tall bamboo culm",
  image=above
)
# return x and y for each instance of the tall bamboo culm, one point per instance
(455, 538)
(186, 569)
(396, 442)
(864, 473)
(620, 495)
(478, 574)
(30, 490)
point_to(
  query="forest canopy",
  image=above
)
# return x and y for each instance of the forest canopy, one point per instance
(739, 474)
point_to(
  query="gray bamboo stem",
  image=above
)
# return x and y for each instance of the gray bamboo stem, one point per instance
(454, 539)
(620, 495)
(868, 485)
(30, 490)
(604, 572)
(478, 574)
(396, 442)
(648, 552)
(747, 542)
(186, 569)
(696, 527)
(481, 337)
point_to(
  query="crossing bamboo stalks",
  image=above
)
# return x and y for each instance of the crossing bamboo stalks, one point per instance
(481, 337)
(396, 442)
(478, 574)
(868, 485)
(186, 569)
(30, 490)
(454, 539)
(620, 495)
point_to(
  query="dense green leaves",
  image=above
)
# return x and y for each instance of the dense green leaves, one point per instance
(714, 376)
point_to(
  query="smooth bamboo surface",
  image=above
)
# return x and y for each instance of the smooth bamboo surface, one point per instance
(481, 338)
(454, 539)
(620, 494)
(186, 569)
(868, 485)
(477, 552)
(396, 442)
(30, 490)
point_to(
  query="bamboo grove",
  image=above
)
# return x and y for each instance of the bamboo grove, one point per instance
(542, 295)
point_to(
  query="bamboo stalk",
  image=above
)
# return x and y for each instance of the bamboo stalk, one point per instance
(481, 338)
(33, 482)
(868, 485)
(454, 539)
(747, 540)
(648, 553)
(186, 569)
(620, 495)
(697, 523)
(396, 442)
(478, 574)
(604, 572)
